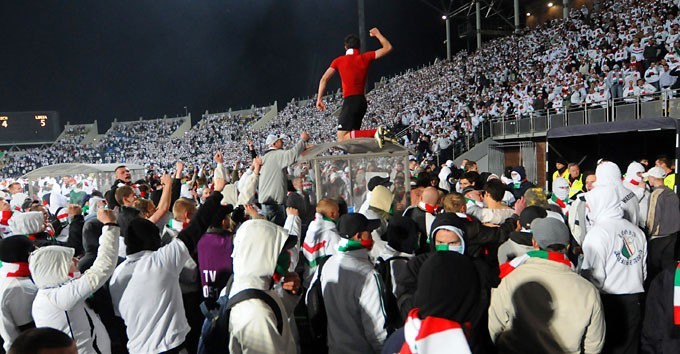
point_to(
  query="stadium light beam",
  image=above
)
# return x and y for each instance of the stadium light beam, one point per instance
(528, 14)
(550, 4)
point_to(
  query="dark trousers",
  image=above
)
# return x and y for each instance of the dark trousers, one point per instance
(623, 315)
(660, 254)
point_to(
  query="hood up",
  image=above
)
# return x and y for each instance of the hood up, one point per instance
(50, 265)
(257, 246)
(603, 203)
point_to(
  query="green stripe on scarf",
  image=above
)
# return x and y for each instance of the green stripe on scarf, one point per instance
(349, 245)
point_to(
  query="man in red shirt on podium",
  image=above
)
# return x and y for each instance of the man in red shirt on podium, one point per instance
(353, 69)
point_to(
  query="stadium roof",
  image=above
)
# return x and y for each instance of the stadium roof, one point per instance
(70, 169)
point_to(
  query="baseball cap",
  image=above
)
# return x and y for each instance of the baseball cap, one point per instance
(655, 171)
(378, 181)
(353, 223)
(272, 138)
(549, 231)
(529, 214)
(449, 163)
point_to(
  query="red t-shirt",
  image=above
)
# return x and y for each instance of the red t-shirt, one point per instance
(353, 69)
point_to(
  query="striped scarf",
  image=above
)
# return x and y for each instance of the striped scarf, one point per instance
(15, 270)
(676, 298)
(347, 245)
(507, 267)
(433, 335)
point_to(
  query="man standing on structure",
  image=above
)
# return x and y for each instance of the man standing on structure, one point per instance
(353, 68)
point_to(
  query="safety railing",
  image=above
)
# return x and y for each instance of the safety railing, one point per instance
(661, 104)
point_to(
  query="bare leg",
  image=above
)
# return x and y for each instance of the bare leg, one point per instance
(343, 135)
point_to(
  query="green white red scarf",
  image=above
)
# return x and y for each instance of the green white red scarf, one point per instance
(347, 245)
(507, 267)
(15, 270)
(433, 335)
(561, 203)
(676, 297)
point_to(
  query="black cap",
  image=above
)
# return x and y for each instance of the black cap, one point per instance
(529, 214)
(402, 234)
(378, 181)
(353, 223)
(15, 249)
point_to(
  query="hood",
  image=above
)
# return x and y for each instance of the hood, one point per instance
(29, 223)
(91, 232)
(230, 195)
(450, 295)
(18, 200)
(257, 246)
(560, 188)
(607, 174)
(521, 171)
(57, 201)
(603, 203)
(381, 198)
(94, 205)
(447, 221)
(633, 169)
(50, 265)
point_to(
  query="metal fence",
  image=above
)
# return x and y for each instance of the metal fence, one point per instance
(665, 104)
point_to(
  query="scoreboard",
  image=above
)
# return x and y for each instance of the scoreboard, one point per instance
(18, 128)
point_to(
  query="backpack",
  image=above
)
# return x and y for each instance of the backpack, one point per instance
(393, 320)
(316, 310)
(215, 330)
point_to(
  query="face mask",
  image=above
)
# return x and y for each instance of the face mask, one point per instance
(516, 177)
(562, 193)
(451, 248)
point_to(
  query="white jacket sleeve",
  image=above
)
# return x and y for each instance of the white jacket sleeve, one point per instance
(293, 225)
(67, 296)
(500, 311)
(220, 172)
(373, 312)
(248, 189)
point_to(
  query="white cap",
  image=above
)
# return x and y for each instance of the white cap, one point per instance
(272, 138)
(449, 163)
(656, 172)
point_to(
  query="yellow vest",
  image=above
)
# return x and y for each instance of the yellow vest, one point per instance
(576, 186)
(669, 181)
(564, 175)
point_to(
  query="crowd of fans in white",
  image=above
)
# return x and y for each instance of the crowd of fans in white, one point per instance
(563, 272)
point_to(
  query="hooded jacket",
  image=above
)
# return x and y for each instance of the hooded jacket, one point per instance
(17, 291)
(60, 302)
(252, 325)
(614, 249)
(321, 241)
(522, 185)
(635, 184)
(609, 174)
(353, 301)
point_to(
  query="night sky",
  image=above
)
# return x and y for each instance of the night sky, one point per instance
(125, 59)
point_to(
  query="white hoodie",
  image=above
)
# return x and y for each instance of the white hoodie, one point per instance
(609, 174)
(635, 184)
(614, 250)
(321, 240)
(60, 302)
(252, 325)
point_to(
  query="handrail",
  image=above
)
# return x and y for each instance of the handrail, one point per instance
(622, 108)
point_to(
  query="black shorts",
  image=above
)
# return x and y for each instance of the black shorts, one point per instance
(352, 113)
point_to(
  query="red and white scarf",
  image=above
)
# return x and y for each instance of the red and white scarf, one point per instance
(433, 335)
(15, 270)
(507, 267)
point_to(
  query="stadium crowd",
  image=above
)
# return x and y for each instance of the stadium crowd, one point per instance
(234, 251)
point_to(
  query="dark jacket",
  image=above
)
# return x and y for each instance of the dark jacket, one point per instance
(659, 335)
(75, 235)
